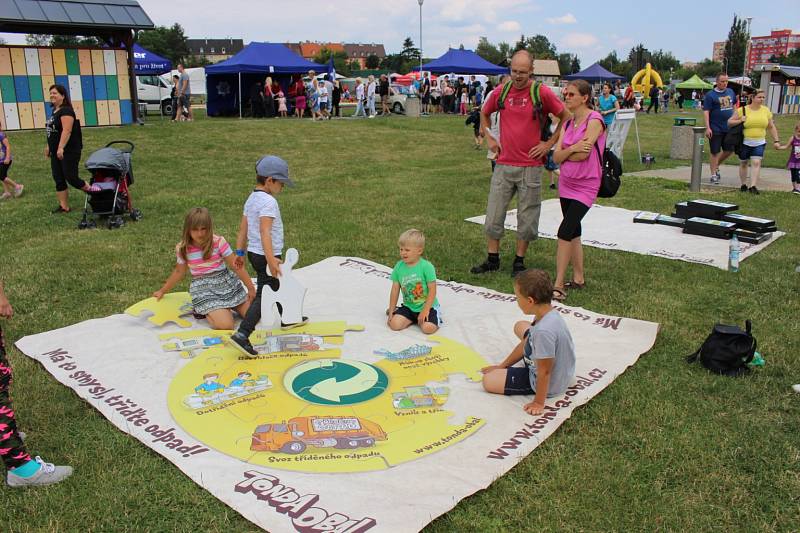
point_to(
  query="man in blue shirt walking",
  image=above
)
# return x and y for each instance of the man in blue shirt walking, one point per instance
(718, 106)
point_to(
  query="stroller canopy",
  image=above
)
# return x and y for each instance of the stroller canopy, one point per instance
(109, 159)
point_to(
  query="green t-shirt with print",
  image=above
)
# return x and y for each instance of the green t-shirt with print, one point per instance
(413, 282)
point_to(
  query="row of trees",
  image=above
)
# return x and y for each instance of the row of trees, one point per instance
(793, 58)
(660, 60)
(637, 58)
(667, 64)
(539, 47)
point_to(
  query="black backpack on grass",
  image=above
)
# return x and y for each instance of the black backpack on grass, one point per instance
(727, 350)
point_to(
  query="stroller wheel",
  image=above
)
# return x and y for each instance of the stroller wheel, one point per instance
(111, 223)
(91, 224)
(83, 224)
(136, 214)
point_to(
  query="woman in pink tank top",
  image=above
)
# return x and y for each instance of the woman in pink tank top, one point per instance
(578, 152)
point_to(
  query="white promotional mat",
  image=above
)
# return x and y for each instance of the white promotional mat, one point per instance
(613, 228)
(342, 424)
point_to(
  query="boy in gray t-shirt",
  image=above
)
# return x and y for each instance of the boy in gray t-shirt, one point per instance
(261, 231)
(545, 346)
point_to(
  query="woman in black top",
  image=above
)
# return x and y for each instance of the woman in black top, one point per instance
(64, 144)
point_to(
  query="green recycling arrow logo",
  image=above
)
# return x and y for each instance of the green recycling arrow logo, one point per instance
(335, 382)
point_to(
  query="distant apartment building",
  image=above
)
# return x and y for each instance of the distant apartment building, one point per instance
(214, 50)
(777, 43)
(355, 51)
(719, 51)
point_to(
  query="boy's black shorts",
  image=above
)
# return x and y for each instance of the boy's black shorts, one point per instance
(518, 381)
(433, 316)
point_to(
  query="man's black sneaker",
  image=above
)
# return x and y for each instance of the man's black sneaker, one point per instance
(753, 190)
(516, 268)
(242, 344)
(294, 324)
(486, 266)
(743, 188)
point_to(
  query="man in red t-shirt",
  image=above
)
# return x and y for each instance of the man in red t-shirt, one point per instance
(521, 155)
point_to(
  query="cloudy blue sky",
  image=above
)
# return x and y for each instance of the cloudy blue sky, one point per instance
(589, 29)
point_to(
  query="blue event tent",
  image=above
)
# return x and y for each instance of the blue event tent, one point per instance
(147, 63)
(593, 74)
(226, 81)
(461, 61)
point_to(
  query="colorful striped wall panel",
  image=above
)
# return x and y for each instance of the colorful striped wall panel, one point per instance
(97, 81)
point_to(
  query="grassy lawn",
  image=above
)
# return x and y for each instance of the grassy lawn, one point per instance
(666, 447)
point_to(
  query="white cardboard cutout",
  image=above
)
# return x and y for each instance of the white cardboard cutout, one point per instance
(290, 295)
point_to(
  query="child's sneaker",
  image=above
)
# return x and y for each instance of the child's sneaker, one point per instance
(242, 344)
(94, 188)
(294, 324)
(18, 190)
(47, 474)
(5, 196)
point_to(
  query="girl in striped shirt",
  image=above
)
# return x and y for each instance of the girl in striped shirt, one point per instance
(217, 286)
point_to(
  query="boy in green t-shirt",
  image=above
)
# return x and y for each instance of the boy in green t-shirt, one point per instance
(416, 278)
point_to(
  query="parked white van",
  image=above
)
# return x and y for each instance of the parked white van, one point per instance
(154, 91)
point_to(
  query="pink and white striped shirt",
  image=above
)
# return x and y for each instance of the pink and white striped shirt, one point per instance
(198, 266)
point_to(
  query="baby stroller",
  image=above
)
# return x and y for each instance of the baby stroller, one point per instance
(112, 171)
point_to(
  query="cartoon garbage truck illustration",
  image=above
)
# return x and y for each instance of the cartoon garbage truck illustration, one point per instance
(294, 436)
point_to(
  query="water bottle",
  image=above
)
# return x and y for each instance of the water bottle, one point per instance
(733, 254)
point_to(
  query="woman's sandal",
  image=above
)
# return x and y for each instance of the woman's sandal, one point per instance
(572, 284)
(559, 294)
(60, 209)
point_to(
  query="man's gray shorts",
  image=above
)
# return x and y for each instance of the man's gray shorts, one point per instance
(526, 182)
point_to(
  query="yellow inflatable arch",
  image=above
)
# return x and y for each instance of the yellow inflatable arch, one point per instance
(645, 79)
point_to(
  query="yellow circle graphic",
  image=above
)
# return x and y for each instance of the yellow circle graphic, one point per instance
(300, 405)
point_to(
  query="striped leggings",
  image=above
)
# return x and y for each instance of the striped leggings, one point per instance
(12, 451)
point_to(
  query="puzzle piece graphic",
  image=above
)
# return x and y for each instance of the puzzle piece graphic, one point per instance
(290, 295)
(420, 396)
(209, 396)
(412, 352)
(309, 337)
(190, 347)
(169, 309)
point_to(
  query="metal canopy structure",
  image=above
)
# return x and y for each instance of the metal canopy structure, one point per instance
(79, 17)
